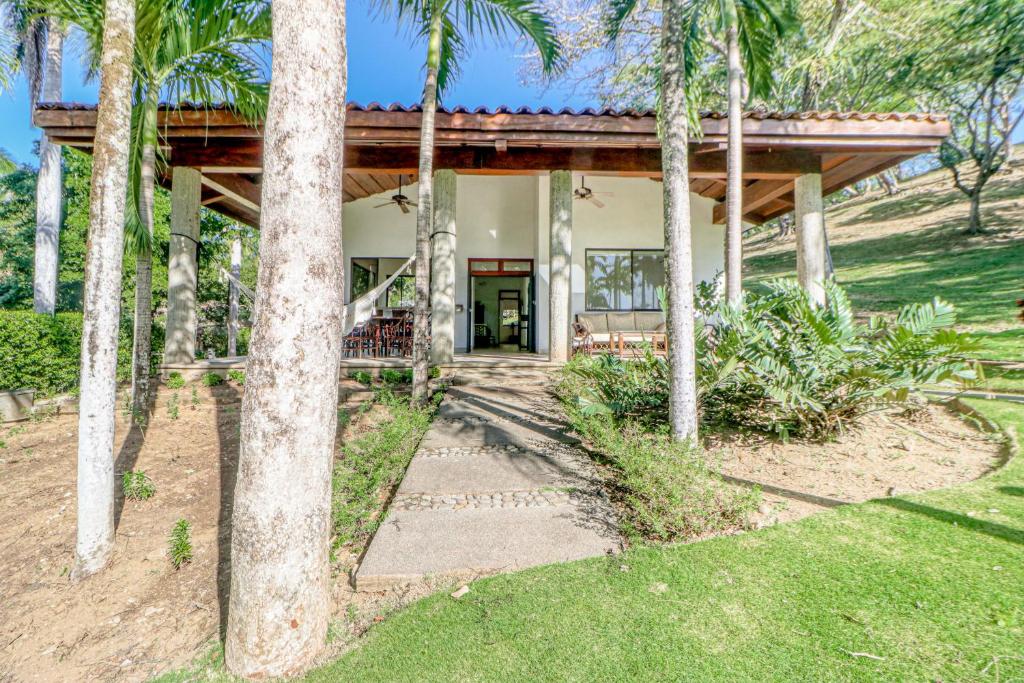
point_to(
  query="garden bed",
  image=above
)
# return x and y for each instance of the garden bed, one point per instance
(140, 616)
(891, 453)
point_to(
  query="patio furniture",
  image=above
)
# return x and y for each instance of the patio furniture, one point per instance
(361, 341)
(618, 331)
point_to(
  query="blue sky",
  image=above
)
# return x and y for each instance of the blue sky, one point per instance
(383, 66)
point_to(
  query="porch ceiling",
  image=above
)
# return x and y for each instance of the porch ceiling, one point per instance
(381, 146)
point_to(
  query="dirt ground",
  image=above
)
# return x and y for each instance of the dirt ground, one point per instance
(891, 454)
(140, 616)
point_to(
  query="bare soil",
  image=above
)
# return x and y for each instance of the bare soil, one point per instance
(140, 616)
(892, 453)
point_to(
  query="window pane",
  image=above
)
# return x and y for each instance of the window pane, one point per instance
(402, 292)
(608, 280)
(517, 266)
(648, 275)
(362, 280)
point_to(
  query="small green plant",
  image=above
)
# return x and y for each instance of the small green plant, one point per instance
(237, 376)
(392, 377)
(195, 397)
(137, 485)
(175, 381)
(174, 406)
(179, 545)
(435, 372)
(212, 379)
(361, 376)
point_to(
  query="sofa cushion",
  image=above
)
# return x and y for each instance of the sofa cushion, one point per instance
(596, 323)
(648, 321)
(621, 322)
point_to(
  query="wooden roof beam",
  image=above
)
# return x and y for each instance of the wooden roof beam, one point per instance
(236, 188)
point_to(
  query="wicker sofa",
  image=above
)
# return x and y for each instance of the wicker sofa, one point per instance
(603, 330)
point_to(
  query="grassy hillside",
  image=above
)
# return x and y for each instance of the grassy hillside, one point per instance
(890, 251)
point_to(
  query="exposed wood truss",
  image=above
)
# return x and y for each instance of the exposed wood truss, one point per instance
(381, 148)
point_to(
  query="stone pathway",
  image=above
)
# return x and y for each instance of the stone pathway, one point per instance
(496, 485)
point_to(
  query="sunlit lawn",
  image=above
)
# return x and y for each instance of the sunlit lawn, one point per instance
(925, 587)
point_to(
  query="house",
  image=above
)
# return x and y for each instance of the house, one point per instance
(540, 215)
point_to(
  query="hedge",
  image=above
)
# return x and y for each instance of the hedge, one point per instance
(41, 352)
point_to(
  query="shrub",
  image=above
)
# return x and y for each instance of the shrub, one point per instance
(361, 376)
(42, 352)
(391, 376)
(137, 486)
(666, 489)
(780, 364)
(174, 406)
(179, 545)
(237, 376)
(175, 380)
(212, 379)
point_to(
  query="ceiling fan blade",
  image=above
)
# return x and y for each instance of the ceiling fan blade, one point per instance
(381, 206)
(597, 202)
(410, 203)
(403, 207)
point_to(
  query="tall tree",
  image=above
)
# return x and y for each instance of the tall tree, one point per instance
(681, 44)
(103, 293)
(449, 26)
(202, 51)
(39, 49)
(280, 598)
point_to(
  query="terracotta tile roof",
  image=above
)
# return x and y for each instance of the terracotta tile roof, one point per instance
(568, 111)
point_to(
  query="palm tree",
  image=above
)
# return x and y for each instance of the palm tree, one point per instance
(280, 575)
(39, 50)
(448, 25)
(185, 50)
(752, 28)
(107, 198)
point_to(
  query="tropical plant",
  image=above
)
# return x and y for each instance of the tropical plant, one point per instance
(39, 52)
(779, 364)
(449, 26)
(95, 532)
(203, 51)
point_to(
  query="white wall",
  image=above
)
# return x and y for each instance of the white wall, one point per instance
(507, 216)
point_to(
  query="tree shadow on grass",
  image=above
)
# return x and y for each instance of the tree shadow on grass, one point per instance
(1011, 490)
(994, 529)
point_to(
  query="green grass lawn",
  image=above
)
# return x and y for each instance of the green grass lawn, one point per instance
(930, 586)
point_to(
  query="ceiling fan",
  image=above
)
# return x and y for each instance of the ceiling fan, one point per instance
(399, 199)
(585, 193)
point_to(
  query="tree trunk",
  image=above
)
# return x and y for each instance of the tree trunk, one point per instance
(678, 250)
(49, 186)
(280, 575)
(734, 178)
(974, 224)
(142, 335)
(102, 310)
(424, 219)
(236, 272)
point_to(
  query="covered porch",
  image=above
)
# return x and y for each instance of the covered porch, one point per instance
(506, 189)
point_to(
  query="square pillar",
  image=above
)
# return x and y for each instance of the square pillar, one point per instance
(182, 269)
(810, 236)
(560, 287)
(442, 270)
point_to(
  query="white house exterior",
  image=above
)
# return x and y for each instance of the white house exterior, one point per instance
(507, 217)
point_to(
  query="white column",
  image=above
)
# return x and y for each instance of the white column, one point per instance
(186, 189)
(442, 270)
(560, 289)
(236, 272)
(810, 235)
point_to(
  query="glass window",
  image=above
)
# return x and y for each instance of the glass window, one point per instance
(624, 279)
(402, 292)
(363, 280)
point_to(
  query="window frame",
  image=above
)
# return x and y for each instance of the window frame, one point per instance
(632, 274)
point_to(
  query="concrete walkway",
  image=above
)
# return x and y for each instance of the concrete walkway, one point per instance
(496, 485)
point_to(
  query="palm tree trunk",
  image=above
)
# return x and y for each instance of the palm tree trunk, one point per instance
(49, 186)
(143, 332)
(424, 218)
(95, 540)
(734, 179)
(281, 526)
(236, 272)
(678, 250)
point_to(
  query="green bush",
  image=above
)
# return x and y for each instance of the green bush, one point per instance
(175, 380)
(42, 352)
(212, 379)
(391, 376)
(179, 544)
(361, 376)
(237, 376)
(778, 363)
(137, 485)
